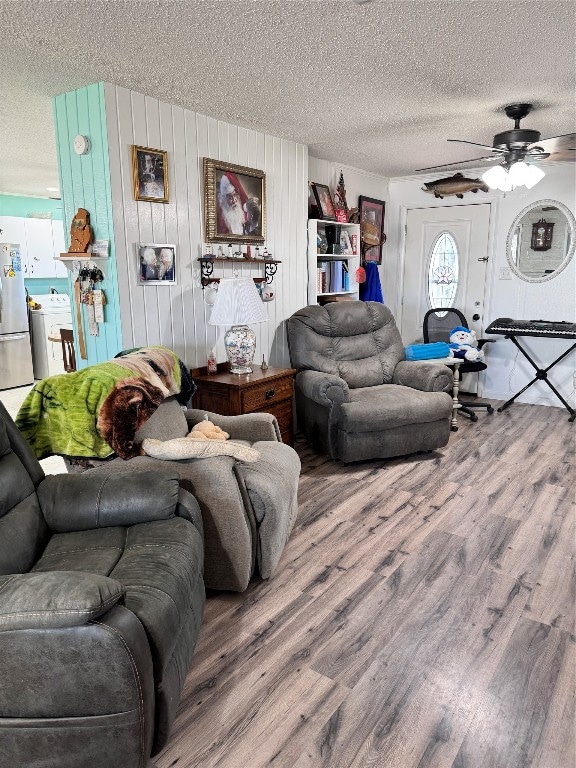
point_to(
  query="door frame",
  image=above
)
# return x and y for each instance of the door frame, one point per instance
(494, 202)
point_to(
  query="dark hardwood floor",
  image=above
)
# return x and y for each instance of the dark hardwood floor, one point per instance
(422, 616)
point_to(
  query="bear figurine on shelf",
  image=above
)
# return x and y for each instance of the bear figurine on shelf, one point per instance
(80, 232)
(463, 344)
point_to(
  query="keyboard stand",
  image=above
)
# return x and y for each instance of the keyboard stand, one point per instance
(541, 375)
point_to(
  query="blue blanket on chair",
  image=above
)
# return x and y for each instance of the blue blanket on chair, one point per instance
(427, 351)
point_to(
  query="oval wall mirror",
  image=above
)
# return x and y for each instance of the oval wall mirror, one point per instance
(541, 241)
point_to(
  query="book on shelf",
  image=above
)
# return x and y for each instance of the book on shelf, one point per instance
(345, 276)
(332, 276)
(321, 279)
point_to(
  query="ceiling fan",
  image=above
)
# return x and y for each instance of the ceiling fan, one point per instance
(516, 150)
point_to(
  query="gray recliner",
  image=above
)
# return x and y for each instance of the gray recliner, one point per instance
(101, 600)
(248, 510)
(356, 395)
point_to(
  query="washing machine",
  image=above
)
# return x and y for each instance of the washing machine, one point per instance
(55, 313)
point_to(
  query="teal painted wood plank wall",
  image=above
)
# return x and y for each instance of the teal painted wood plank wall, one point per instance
(22, 206)
(85, 183)
(39, 285)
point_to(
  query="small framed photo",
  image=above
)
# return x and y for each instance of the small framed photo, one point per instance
(150, 171)
(156, 263)
(324, 201)
(345, 243)
(371, 215)
(100, 249)
(234, 203)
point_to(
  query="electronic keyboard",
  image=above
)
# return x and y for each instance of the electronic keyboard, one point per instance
(560, 329)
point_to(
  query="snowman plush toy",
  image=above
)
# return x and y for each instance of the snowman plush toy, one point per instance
(463, 344)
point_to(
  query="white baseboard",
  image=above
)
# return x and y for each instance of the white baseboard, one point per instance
(530, 399)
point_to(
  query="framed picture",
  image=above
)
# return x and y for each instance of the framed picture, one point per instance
(371, 215)
(234, 203)
(150, 171)
(100, 249)
(156, 263)
(324, 201)
(345, 243)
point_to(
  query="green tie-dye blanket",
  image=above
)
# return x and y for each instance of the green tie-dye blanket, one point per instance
(96, 412)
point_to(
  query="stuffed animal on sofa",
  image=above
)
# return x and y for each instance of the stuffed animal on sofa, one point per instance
(463, 344)
(204, 441)
(206, 430)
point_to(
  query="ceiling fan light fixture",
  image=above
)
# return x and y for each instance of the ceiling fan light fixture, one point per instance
(532, 176)
(518, 173)
(497, 178)
(506, 185)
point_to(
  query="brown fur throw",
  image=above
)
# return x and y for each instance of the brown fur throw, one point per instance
(127, 407)
(154, 364)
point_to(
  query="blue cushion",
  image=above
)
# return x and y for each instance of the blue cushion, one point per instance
(427, 351)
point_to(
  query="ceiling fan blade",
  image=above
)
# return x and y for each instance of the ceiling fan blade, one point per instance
(475, 144)
(558, 147)
(457, 163)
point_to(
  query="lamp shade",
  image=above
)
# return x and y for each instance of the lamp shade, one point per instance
(517, 173)
(533, 176)
(237, 303)
(495, 177)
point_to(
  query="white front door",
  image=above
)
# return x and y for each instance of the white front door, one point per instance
(459, 275)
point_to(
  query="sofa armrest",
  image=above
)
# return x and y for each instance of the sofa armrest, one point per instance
(101, 499)
(323, 388)
(188, 508)
(427, 377)
(55, 599)
(250, 426)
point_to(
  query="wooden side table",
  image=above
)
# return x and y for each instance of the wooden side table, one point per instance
(454, 363)
(231, 394)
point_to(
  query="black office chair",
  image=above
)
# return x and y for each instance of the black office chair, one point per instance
(437, 325)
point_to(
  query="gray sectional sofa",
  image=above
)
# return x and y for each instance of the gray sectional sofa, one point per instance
(101, 601)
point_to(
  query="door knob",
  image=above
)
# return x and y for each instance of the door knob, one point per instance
(476, 317)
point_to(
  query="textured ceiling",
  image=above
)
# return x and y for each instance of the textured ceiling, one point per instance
(379, 85)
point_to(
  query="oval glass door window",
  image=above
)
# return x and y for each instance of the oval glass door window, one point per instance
(443, 271)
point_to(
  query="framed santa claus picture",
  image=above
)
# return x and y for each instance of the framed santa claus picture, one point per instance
(234, 203)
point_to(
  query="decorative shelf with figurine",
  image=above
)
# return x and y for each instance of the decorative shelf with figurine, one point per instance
(207, 267)
(83, 248)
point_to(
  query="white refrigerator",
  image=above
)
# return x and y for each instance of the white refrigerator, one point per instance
(15, 351)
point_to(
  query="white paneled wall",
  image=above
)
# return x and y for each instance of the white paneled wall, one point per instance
(357, 182)
(176, 315)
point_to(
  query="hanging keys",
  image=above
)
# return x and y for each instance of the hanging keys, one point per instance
(89, 276)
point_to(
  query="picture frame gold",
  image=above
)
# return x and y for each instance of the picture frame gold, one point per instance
(150, 174)
(234, 203)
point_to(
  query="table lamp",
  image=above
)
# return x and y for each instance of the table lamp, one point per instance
(238, 303)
